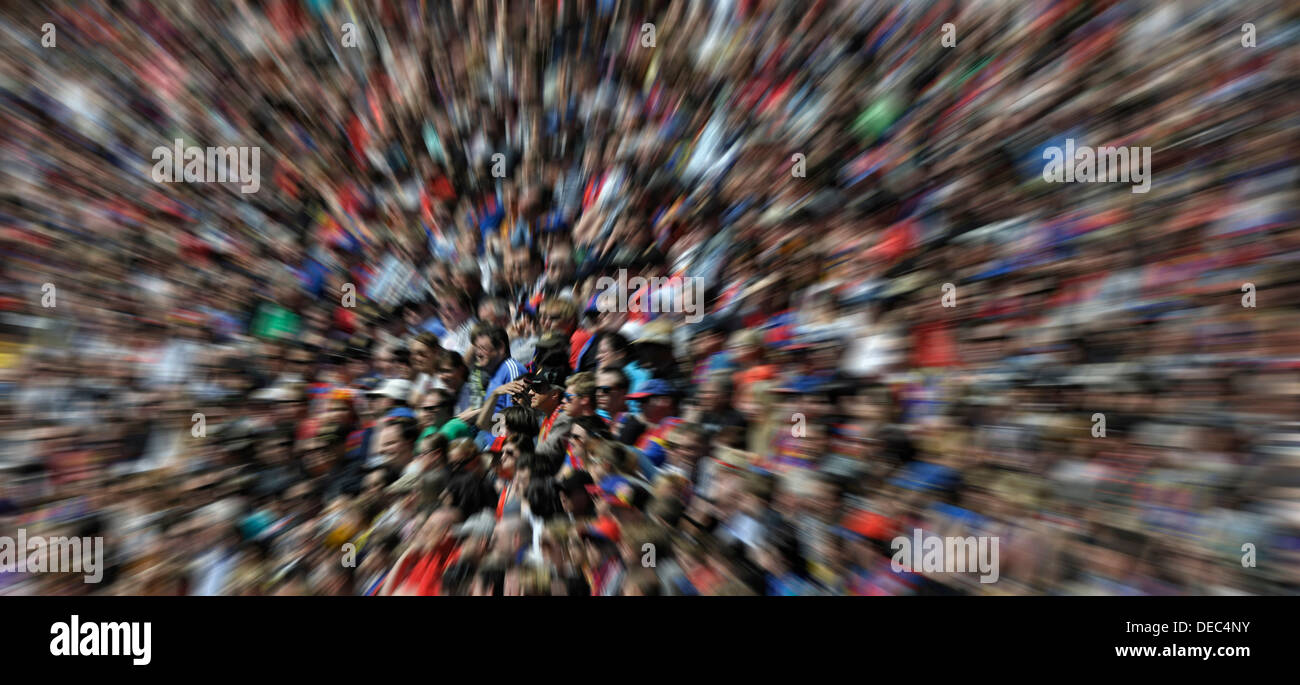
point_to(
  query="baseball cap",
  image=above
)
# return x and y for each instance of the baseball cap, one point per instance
(653, 388)
(393, 388)
(619, 491)
(603, 529)
(803, 385)
(549, 375)
(436, 385)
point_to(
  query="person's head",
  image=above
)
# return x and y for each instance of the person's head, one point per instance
(612, 319)
(452, 371)
(612, 352)
(520, 421)
(747, 346)
(397, 439)
(318, 455)
(601, 541)
(666, 510)
(338, 413)
(822, 497)
(559, 265)
(466, 279)
(707, 343)
(425, 353)
(611, 390)
(558, 314)
(575, 498)
(551, 350)
(658, 400)
(528, 464)
(376, 405)
(521, 264)
(435, 408)
(401, 365)
(546, 388)
(384, 362)
(358, 362)
(491, 346)
(582, 433)
(374, 481)
(433, 486)
(543, 500)
(714, 392)
(580, 395)
(609, 457)
(438, 526)
(393, 393)
(434, 447)
(514, 455)
(456, 309)
(299, 362)
(463, 455)
(755, 494)
(512, 532)
(686, 445)
(466, 493)
(659, 407)
(494, 311)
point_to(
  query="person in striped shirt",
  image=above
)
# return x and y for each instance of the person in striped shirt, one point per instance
(492, 368)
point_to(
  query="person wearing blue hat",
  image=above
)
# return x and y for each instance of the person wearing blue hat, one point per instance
(655, 387)
(647, 429)
(400, 413)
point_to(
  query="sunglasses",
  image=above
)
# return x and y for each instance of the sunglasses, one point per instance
(432, 407)
(606, 389)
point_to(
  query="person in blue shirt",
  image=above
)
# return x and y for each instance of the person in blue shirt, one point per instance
(492, 368)
(614, 352)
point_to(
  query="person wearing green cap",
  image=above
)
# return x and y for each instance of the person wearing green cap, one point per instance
(435, 414)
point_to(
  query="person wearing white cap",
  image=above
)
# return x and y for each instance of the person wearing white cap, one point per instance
(393, 392)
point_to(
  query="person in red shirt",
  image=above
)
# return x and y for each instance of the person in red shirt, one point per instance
(419, 570)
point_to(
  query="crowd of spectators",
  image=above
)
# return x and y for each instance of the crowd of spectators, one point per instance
(394, 370)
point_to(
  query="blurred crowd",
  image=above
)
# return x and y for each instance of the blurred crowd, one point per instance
(391, 371)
